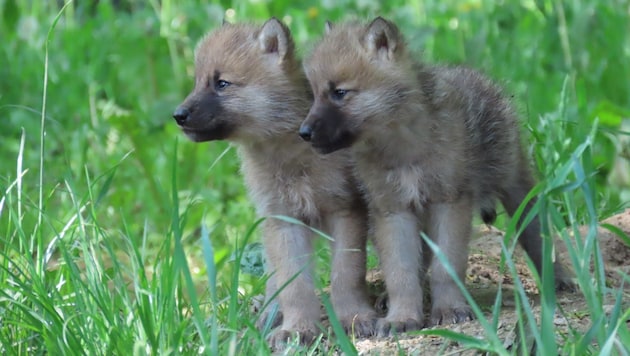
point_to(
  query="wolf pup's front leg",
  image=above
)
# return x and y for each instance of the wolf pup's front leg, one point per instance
(400, 251)
(348, 287)
(289, 249)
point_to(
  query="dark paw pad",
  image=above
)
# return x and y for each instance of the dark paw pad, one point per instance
(564, 280)
(270, 318)
(386, 327)
(443, 316)
(280, 338)
(567, 285)
(360, 325)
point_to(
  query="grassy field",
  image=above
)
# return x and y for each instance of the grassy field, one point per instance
(118, 234)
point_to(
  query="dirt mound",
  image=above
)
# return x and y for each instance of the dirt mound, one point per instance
(484, 278)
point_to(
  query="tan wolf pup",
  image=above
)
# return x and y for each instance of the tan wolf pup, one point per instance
(250, 90)
(432, 145)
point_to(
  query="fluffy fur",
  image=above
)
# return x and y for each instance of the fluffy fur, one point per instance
(432, 145)
(250, 90)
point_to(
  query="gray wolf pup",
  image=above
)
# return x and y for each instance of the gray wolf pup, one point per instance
(251, 90)
(431, 144)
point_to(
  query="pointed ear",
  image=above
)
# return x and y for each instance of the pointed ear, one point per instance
(274, 37)
(382, 38)
(328, 26)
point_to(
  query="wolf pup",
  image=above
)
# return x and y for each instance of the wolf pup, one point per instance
(250, 90)
(432, 145)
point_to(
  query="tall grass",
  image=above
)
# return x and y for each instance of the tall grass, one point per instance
(116, 239)
(570, 184)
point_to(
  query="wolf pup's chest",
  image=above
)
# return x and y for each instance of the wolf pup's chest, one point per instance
(411, 186)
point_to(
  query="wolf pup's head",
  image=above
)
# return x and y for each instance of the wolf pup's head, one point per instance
(359, 76)
(245, 85)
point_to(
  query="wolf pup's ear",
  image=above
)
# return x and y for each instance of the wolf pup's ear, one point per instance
(381, 38)
(328, 26)
(274, 37)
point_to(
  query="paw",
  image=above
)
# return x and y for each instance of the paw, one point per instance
(451, 315)
(389, 326)
(564, 279)
(270, 318)
(281, 337)
(360, 324)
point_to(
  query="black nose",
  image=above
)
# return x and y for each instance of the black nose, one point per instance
(181, 115)
(306, 132)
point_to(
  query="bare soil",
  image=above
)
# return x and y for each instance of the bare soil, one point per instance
(484, 279)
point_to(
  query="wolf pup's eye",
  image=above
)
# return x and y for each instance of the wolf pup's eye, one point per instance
(338, 94)
(221, 84)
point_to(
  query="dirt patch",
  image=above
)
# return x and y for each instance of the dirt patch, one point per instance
(484, 279)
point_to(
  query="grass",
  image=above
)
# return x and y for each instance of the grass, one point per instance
(114, 237)
(572, 181)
